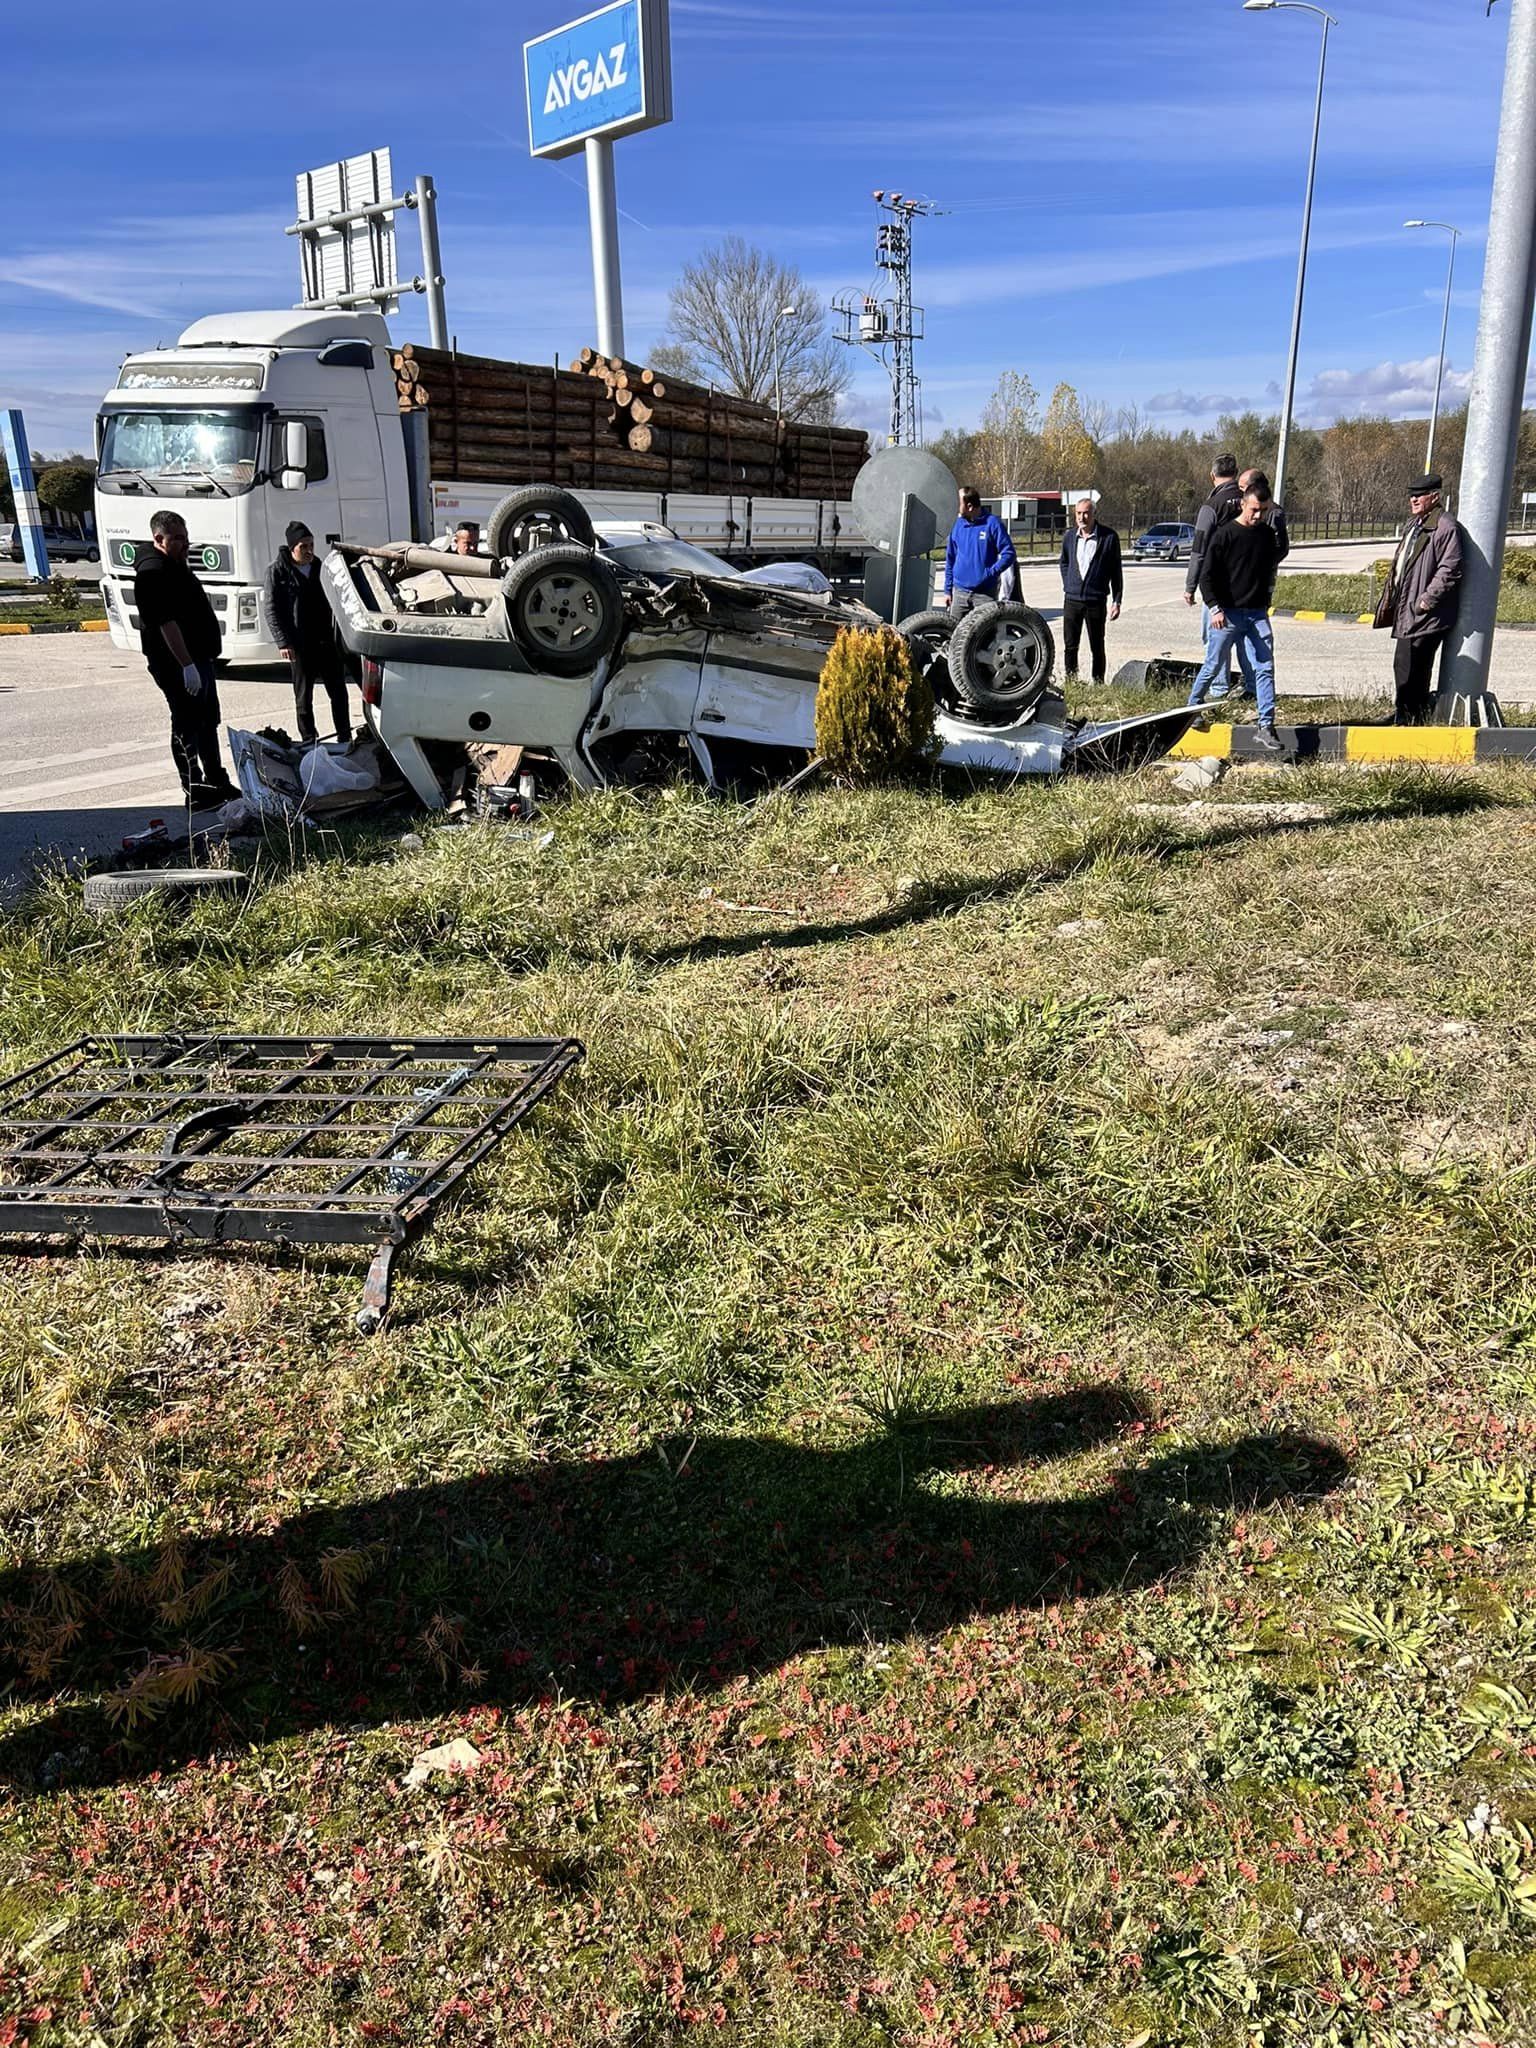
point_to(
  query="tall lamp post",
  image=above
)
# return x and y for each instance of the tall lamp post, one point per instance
(1329, 21)
(784, 313)
(1445, 324)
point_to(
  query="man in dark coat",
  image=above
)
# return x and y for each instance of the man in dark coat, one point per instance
(181, 640)
(304, 629)
(1426, 592)
(1092, 586)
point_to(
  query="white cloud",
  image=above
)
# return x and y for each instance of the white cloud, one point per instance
(1396, 389)
(1195, 405)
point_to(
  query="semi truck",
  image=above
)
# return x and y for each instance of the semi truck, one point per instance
(253, 420)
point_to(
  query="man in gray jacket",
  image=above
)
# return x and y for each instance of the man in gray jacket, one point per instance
(1426, 591)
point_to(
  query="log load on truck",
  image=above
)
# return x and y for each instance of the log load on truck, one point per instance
(252, 420)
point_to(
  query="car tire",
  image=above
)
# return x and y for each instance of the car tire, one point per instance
(565, 611)
(1001, 659)
(105, 894)
(539, 515)
(93, 554)
(928, 635)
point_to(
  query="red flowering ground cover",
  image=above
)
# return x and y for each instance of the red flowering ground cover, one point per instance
(971, 1481)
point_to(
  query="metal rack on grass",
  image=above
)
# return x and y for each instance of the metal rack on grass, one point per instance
(288, 1141)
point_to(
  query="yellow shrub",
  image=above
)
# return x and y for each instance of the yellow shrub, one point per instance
(874, 714)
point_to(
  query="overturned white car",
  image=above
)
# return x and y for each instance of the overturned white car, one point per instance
(630, 657)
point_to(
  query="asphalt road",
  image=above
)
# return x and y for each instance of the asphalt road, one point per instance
(85, 752)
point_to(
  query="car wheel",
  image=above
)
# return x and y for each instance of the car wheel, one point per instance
(928, 635)
(106, 894)
(1000, 662)
(538, 516)
(564, 609)
(93, 554)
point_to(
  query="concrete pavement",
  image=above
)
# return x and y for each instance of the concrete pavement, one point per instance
(85, 753)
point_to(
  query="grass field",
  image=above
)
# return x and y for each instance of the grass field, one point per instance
(970, 1478)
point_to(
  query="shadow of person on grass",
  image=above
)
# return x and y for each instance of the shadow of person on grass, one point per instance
(684, 1565)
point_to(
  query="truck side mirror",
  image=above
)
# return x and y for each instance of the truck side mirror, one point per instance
(295, 456)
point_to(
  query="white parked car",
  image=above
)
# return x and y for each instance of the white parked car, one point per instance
(625, 660)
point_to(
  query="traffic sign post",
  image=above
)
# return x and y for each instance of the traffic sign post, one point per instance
(18, 460)
(604, 76)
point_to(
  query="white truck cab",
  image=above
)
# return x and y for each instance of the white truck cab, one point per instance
(251, 420)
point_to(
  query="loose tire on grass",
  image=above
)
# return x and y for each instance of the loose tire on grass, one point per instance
(928, 635)
(564, 609)
(1001, 659)
(108, 894)
(539, 515)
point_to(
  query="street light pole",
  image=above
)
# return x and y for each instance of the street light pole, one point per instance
(784, 313)
(1329, 21)
(1445, 325)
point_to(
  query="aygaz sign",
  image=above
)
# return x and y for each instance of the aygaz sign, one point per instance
(608, 74)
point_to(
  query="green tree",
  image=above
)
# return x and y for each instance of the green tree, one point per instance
(67, 487)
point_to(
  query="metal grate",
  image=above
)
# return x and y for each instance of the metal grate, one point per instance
(277, 1140)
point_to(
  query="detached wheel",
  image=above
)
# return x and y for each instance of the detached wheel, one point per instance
(106, 894)
(927, 635)
(564, 609)
(1000, 662)
(538, 516)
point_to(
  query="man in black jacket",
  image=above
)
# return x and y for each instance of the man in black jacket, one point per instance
(304, 629)
(1092, 586)
(181, 640)
(1237, 581)
(1223, 504)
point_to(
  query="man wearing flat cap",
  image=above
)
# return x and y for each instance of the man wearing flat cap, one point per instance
(304, 629)
(1422, 597)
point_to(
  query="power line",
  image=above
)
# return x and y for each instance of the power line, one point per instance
(889, 327)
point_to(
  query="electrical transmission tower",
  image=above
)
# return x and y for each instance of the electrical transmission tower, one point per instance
(889, 326)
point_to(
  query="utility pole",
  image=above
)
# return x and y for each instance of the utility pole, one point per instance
(1498, 381)
(890, 329)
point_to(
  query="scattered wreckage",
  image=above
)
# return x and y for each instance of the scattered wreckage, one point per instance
(627, 656)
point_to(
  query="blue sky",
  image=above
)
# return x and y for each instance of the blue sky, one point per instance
(1124, 182)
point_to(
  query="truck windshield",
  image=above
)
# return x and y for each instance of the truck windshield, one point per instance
(180, 445)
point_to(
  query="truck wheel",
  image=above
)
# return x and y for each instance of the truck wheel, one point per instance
(538, 516)
(927, 635)
(564, 608)
(1000, 662)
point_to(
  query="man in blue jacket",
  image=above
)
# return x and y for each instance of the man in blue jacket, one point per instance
(1092, 586)
(979, 551)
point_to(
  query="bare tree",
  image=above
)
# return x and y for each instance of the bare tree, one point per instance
(728, 320)
(1004, 452)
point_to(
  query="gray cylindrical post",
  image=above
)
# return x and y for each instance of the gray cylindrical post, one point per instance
(603, 204)
(1283, 451)
(432, 262)
(1498, 374)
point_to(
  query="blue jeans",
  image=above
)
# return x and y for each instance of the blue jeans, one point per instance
(1205, 635)
(1254, 638)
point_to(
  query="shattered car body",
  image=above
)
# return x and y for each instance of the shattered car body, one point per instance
(624, 659)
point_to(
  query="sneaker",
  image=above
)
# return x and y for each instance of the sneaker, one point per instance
(1266, 737)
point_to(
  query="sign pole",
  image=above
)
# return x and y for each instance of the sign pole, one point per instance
(603, 205)
(18, 460)
(1498, 381)
(432, 262)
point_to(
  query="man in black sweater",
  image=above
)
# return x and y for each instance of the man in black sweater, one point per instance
(1237, 581)
(1092, 586)
(181, 639)
(304, 629)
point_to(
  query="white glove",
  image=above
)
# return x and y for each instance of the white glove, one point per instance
(192, 680)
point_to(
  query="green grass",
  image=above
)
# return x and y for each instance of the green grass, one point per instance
(1357, 594)
(45, 612)
(969, 1477)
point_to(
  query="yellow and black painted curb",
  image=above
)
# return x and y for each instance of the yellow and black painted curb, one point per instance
(1369, 619)
(56, 626)
(1448, 745)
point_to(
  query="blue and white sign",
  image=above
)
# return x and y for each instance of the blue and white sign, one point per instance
(608, 74)
(18, 460)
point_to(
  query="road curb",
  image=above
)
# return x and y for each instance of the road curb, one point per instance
(1369, 619)
(55, 626)
(1447, 745)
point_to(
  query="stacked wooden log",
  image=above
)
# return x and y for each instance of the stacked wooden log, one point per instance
(606, 424)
